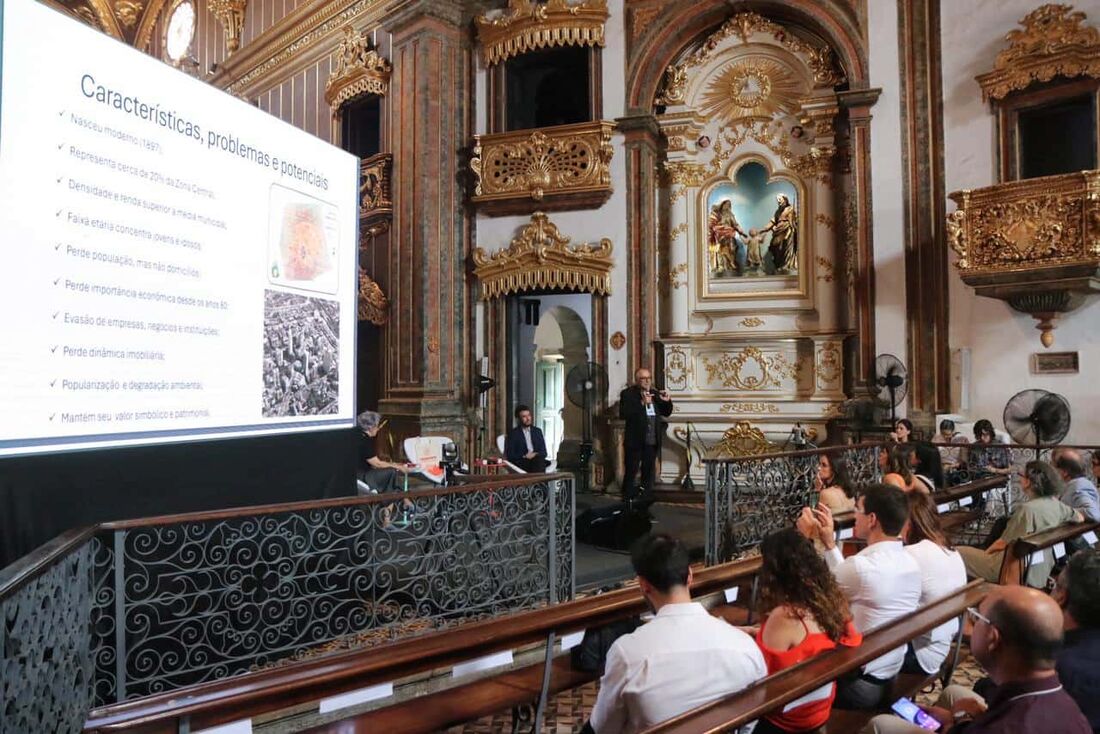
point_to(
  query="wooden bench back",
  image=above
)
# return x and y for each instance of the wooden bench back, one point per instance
(787, 685)
(244, 696)
(1018, 554)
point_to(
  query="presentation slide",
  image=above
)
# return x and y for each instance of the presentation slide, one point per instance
(178, 265)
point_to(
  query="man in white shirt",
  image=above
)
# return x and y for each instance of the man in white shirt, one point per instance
(682, 659)
(882, 582)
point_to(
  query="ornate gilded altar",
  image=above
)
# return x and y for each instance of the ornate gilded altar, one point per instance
(755, 296)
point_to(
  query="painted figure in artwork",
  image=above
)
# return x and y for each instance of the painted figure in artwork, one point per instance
(722, 244)
(784, 229)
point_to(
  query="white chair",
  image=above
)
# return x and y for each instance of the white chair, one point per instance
(426, 452)
(550, 469)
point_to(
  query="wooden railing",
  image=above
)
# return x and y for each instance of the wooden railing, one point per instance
(1017, 557)
(787, 685)
(252, 694)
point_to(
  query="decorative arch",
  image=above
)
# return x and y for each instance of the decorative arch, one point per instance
(684, 24)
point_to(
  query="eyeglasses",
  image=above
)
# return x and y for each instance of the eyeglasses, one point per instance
(977, 616)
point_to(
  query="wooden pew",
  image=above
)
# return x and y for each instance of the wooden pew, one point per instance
(969, 494)
(1016, 559)
(245, 696)
(787, 685)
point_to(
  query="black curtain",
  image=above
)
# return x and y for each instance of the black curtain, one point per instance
(43, 496)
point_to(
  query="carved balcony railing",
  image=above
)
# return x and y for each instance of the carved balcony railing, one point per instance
(562, 167)
(1033, 243)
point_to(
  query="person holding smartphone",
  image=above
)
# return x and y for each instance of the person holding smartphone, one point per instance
(643, 408)
(1016, 638)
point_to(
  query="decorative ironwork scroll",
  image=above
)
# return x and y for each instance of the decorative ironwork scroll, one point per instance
(568, 164)
(203, 600)
(1053, 41)
(751, 496)
(541, 257)
(528, 26)
(359, 70)
(46, 666)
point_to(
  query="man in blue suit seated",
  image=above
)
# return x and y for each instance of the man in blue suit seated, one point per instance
(524, 446)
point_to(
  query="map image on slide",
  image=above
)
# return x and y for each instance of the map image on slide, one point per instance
(303, 241)
(301, 346)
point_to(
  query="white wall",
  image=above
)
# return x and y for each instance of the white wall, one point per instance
(886, 182)
(591, 225)
(1001, 340)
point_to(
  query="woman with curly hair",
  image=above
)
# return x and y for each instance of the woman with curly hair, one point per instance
(804, 613)
(942, 572)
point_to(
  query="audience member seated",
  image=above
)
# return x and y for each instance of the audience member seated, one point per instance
(1078, 593)
(942, 573)
(1096, 468)
(882, 582)
(984, 458)
(903, 431)
(949, 437)
(1078, 492)
(378, 474)
(927, 463)
(804, 613)
(899, 471)
(1042, 510)
(1016, 638)
(833, 484)
(525, 446)
(682, 659)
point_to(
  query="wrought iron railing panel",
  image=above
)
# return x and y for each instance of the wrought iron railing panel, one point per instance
(749, 497)
(45, 638)
(185, 603)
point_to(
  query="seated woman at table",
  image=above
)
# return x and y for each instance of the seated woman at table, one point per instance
(804, 613)
(833, 483)
(1042, 510)
(899, 471)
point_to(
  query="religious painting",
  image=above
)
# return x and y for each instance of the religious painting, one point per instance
(752, 227)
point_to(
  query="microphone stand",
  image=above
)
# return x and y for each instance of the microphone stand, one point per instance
(687, 483)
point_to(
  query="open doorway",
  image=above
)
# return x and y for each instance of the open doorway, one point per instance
(551, 335)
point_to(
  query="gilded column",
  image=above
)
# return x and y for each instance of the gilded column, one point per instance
(426, 382)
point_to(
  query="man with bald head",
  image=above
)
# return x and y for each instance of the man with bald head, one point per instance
(1079, 493)
(643, 409)
(1017, 636)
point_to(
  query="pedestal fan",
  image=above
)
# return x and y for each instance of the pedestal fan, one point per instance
(586, 386)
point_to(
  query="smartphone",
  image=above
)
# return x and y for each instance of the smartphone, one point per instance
(913, 713)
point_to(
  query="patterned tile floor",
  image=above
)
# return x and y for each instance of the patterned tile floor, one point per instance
(568, 711)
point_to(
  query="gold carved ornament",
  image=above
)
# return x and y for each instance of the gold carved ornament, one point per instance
(618, 340)
(677, 368)
(1053, 41)
(675, 273)
(374, 185)
(541, 257)
(829, 367)
(751, 322)
(373, 304)
(561, 160)
(749, 408)
(230, 13)
(359, 70)
(529, 26)
(1027, 224)
(818, 58)
(128, 12)
(754, 89)
(729, 370)
(744, 439)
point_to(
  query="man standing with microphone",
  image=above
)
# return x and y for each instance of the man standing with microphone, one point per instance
(642, 408)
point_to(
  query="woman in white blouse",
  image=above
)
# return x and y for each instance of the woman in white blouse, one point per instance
(942, 572)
